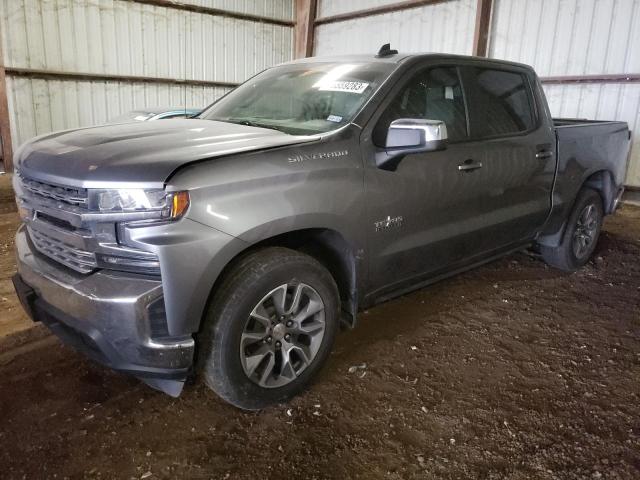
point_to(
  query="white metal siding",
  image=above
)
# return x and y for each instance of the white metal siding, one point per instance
(568, 37)
(120, 37)
(39, 106)
(327, 8)
(577, 37)
(128, 38)
(280, 9)
(442, 27)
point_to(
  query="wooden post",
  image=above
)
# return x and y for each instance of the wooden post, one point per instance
(483, 24)
(304, 30)
(5, 128)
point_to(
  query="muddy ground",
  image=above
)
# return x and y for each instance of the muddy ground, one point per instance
(514, 370)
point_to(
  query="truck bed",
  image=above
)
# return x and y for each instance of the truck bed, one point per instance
(593, 145)
(579, 122)
(586, 148)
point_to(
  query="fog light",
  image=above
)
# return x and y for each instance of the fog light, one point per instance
(128, 264)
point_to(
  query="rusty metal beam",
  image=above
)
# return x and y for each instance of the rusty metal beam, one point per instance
(106, 77)
(5, 124)
(393, 7)
(606, 78)
(176, 5)
(483, 24)
(304, 32)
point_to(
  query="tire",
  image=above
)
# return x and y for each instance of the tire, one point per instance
(568, 256)
(278, 360)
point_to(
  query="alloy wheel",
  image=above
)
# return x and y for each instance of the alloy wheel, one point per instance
(585, 232)
(282, 335)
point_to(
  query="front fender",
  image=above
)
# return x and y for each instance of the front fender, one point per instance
(192, 256)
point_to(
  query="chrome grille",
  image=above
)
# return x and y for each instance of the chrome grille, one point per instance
(78, 260)
(63, 227)
(69, 195)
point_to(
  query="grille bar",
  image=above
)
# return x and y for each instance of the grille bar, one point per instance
(72, 196)
(78, 260)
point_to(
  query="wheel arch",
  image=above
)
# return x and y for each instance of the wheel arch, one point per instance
(602, 181)
(327, 246)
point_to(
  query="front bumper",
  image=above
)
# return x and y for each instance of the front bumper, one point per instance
(112, 317)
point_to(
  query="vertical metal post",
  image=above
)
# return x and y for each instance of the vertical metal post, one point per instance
(5, 126)
(483, 25)
(304, 30)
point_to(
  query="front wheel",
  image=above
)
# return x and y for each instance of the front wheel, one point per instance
(581, 233)
(269, 328)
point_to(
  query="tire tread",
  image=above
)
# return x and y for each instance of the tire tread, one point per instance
(233, 287)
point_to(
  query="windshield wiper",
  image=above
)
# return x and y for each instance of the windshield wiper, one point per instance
(251, 123)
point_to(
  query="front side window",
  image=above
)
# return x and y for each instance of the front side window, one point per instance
(434, 94)
(301, 99)
(501, 102)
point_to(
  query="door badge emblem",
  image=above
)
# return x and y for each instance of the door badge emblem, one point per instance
(388, 223)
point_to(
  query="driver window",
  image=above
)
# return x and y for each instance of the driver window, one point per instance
(434, 94)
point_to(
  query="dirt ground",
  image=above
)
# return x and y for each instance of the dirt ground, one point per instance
(12, 317)
(513, 370)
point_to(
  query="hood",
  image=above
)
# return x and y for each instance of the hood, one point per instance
(143, 154)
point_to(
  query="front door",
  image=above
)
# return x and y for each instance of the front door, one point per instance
(422, 217)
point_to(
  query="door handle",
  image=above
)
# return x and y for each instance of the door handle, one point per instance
(544, 154)
(469, 165)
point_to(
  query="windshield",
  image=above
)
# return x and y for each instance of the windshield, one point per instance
(301, 99)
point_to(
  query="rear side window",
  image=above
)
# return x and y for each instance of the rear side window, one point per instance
(501, 102)
(433, 94)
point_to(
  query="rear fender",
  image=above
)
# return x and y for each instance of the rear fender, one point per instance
(602, 182)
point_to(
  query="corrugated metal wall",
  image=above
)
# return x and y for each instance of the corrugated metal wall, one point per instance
(577, 37)
(441, 27)
(122, 37)
(39, 106)
(281, 9)
(328, 8)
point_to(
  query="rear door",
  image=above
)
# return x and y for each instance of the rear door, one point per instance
(518, 150)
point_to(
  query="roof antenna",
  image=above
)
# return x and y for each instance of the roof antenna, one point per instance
(385, 51)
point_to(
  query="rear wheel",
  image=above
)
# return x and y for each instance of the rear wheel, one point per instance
(269, 329)
(581, 234)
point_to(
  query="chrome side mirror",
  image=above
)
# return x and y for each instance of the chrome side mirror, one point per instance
(423, 135)
(411, 135)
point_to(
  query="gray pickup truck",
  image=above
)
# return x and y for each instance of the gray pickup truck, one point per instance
(233, 245)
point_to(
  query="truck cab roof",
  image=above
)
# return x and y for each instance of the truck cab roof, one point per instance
(400, 58)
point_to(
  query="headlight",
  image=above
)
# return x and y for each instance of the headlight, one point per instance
(169, 205)
(130, 200)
